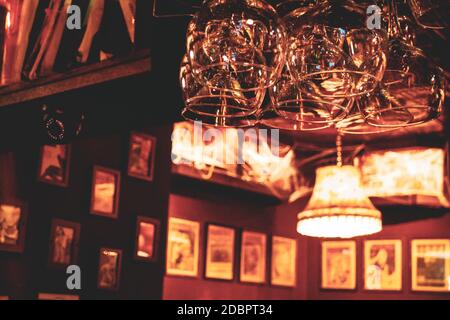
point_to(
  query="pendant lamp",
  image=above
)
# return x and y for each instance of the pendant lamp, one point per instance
(339, 207)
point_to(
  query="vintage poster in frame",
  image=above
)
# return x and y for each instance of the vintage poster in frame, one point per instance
(339, 265)
(141, 158)
(57, 296)
(13, 218)
(64, 243)
(54, 164)
(182, 247)
(253, 257)
(105, 192)
(430, 265)
(220, 246)
(284, 262)
(109, 269)
(383, 265)
(147, 238)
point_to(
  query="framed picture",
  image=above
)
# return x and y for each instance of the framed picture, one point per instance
(147, 238)
(54, 165)
(220, 246)
(105, 192)
(383, 265)
(284, 262)
(430, 264)
(253, 257)
(339, 265)
(13, 218)
(141, 158)
(57, 296)
(109, 267)
(182, 247)
(64, 243)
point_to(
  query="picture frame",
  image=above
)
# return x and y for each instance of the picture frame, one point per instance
(383, 265)
(182, 247)
(109, 269)
(253, 259)
(147, 239)
(57, 296)
(430, 265)
(104, 196)
(338, 265)
(54, 164)
(283, 262)
(141, 156)
(13, 223)
(64, 243)
(220, 252)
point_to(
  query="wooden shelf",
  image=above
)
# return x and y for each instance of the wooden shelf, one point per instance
(85, 76)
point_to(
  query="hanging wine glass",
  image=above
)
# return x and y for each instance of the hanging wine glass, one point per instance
(355, 124)
(368, 51)
(321, 63)
(398, 23)
(332, 57)
(236, 38)
(295, 7)
(340, 23)
(236, 50)
(412, 90)
(431, 14)
(297, 109)
(216, 107)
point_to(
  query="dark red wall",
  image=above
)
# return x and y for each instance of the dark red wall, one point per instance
(24, 275)
(281, 220)
(405, 223)
(437, 227)
(249, 213)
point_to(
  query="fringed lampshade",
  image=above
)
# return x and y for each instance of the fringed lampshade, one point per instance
(338, 207)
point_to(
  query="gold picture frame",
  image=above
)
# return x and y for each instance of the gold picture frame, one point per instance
(57, 296)
(147, 239)
(182, 247)
(338, 265)
(141, 156)
(383, 265)
(253, 257)
(284, 262)
(220, 247)
(64, 243)
(54, 164)
(430, 265)
(13, 223)
(105, 192)
(109, 269)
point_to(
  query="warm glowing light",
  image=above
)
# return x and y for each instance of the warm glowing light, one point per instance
(404, 172)
(339, 207)
(8, 21)
(208, 149)
(263, 166)
(203, 150)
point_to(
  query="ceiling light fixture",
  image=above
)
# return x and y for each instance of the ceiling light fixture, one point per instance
(339, 207)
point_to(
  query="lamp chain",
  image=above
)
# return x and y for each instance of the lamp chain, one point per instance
(339, 150)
